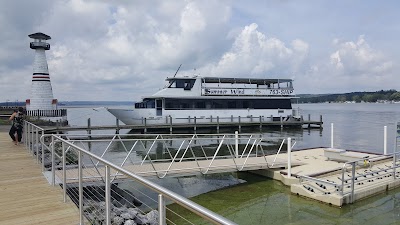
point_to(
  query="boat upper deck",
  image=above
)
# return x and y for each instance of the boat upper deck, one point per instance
(228, 87)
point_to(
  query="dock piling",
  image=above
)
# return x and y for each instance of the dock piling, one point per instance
(195, 128)
(145, 125)
(217, 124)
(117, 123)
(240, 126)
(331, 135)
(89, 132)
(289, 152)
(170, 124)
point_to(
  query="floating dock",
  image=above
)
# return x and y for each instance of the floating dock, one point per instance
(323, 170)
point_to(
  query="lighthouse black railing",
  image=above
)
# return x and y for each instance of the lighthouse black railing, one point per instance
(47, 113)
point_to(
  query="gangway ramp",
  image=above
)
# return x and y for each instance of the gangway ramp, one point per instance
(178, 169)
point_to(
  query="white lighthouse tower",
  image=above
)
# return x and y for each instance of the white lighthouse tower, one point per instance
(41, 97)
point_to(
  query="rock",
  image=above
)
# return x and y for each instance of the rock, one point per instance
(141, 219)
(130, 222)
(127, 216)
(152, 217)
(118, 220)
(120, 210)
(133, 212)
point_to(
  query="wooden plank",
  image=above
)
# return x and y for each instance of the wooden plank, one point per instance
(25, 195)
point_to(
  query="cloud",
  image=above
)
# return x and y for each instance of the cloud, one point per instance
(102, 50)
(352, 66)
(254, 54)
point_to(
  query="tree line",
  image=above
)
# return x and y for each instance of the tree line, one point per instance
(382, 95)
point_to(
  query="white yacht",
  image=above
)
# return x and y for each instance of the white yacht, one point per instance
(214, 99)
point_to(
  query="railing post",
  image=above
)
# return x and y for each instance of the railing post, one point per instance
(280, 118)
(42, 152)
(37, 144)
(342, 186)
(260, 124)
(385, 140)
(53, 171)
(80, 188)
(236, 144)
(211, 119)
(161, 210)
(25, 134)
(353, 174)
(108, 196)
(331, 135)
(394, 165)
(31, 146)
(289, 152)
(64, 172)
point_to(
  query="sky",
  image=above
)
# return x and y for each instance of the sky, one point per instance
(123, 50)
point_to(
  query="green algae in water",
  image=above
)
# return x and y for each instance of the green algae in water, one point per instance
(265, 201)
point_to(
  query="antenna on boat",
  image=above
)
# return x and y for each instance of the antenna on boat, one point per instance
(177, 70)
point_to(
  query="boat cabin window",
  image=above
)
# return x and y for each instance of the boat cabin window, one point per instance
(149, 103)
(193, 104)
(186, 84)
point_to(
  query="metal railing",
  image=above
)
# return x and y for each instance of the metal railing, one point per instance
(32, 134)
(96, 179)
(177, 148)
(108, 166)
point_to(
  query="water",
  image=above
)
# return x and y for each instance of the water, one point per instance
(265, 201)
(356, 126)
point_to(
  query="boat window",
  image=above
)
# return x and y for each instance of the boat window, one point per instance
(181, 104)
(186, 84)
(145, 104)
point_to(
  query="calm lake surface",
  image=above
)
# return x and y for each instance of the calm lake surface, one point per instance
(263, 201)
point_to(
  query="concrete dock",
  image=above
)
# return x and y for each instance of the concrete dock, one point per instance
(320, 175)
(25, 195)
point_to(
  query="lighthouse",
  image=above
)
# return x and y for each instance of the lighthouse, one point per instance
(41, 97)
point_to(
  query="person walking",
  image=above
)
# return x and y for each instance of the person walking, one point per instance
(17, 119)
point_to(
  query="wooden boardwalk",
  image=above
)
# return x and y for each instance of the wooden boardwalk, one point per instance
(25, 195)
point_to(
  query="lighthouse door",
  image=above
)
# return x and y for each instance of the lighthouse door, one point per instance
(159, 107)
